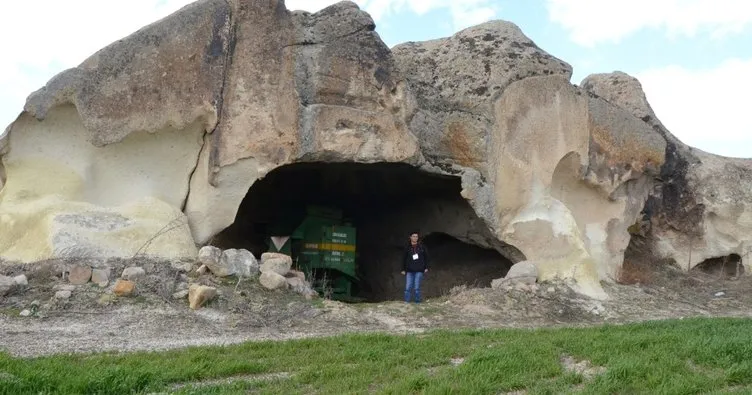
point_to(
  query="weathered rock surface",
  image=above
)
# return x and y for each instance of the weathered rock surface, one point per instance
(300, 87)
(105, 174)
(702, 206)
(148, 147)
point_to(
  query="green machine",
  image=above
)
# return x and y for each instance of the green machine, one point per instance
(322, 246)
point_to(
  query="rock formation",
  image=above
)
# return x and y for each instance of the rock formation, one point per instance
(700, 206)
(151, 144)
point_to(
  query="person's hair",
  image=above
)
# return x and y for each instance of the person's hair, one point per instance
(415, 233)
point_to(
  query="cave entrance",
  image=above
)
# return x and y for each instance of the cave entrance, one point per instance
(383, 202)
(729, 266)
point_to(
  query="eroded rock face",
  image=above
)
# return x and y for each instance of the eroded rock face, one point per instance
(499, 111)
(107, 167)
(150, 145)
(301, 87)
(701, 207)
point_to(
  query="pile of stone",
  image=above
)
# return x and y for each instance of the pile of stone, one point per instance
(274, 272)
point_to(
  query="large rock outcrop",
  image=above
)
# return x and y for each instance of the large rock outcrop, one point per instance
(701, 205)
(150, 145)
(99, 161)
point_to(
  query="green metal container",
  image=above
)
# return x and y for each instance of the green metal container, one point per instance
(323, 247)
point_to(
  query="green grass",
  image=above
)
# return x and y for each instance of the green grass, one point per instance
(664, 357)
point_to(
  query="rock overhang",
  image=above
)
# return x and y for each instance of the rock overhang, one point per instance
(248, 87)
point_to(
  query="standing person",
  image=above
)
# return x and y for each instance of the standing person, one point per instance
(415, 262)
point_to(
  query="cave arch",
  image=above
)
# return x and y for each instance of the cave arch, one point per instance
(384, 202)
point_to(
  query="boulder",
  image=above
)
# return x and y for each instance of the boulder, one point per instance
(21, 280)
(276, 263)
(79, 274)
(272, 280)
(524, 272)
(242, 262)
(234, 262)
(133, 273)
(198, 295)
(209, 256)
(101, 276)
(124, 287)
(64, 294)
(6, 284)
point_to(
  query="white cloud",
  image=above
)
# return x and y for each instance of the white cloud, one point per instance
(41, 38)
(464, 13)
(708, 109)
(591, 22)
(313, 5)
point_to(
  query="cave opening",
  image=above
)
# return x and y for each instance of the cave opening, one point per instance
(383, 203)
(729, 266)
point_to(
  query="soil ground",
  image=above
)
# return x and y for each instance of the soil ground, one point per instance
(95, 320)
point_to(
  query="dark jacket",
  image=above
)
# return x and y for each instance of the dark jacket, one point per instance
(415, 265)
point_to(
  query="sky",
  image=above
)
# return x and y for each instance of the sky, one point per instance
(693, 57)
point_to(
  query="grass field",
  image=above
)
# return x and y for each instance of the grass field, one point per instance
(665, 357)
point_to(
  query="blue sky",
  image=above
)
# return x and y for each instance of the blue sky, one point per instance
(693, 57)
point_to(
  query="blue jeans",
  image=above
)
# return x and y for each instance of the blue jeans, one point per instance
(412, 281)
